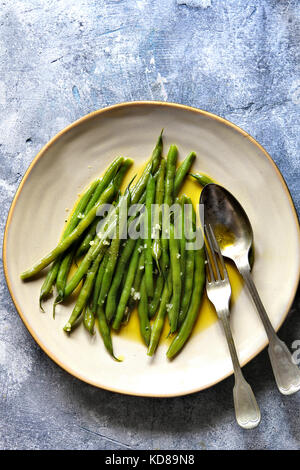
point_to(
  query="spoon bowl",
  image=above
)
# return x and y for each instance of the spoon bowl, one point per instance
(228, 220)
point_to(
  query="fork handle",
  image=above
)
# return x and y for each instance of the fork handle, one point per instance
(286, 372)
(246, 408)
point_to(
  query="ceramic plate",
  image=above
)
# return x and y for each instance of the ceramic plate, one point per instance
(78, 154)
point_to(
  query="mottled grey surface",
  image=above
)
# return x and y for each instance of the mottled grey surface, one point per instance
(62, 59)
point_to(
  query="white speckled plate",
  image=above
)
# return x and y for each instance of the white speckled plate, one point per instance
(80, 152)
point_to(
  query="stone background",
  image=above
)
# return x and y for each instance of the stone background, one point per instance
(59, 60)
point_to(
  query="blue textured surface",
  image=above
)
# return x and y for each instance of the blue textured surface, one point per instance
(61, 60)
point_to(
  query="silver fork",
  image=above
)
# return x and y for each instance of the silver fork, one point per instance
(219, 292)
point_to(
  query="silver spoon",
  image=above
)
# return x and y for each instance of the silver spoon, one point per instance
(221, 209)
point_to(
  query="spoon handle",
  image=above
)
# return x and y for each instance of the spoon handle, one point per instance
(247, 412)
(286, 372)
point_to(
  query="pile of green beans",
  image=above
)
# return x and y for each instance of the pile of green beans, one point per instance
(155, 272)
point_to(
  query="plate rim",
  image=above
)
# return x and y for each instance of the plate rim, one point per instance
(41, 153)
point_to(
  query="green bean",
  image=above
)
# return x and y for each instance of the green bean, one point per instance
(155, 301)
(168, 201)
(151, 167)
(90, 235)
(84, 294)
(99, 244)
(140, 272)
(150, 195)
(83, 269)
(80, 207)
(52, 273)
(62, 276)
(176, 280)
(126, 291)
(137, 282)
(202, 179)
(142, 198)
(98, 282)
(160, 185)
(127, 314)
(160, 318)
(170, 175)
(188, 286)
(182, 240)
(193, 311)
(92, 195)
(156, 251)
(145, 327)
(188, 280)
(48, 283)
(111, 303)
(109, 271)
(159, 198)
(108, 176)
(95, 227)
(89, 319)
(183, 171)
(63, 272)
(105, 331)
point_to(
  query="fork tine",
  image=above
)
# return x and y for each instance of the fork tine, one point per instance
(210, 269)
(217, 249)
(210, 243)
